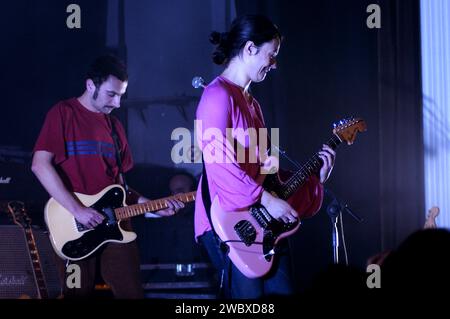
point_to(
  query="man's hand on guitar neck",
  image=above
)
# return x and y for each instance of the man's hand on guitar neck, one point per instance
(173, 206)
(278, 208)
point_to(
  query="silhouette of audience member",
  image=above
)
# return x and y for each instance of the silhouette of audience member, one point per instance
(337, 279)
(378, 258)
(175, 235)
(182, 183)
(420, 262)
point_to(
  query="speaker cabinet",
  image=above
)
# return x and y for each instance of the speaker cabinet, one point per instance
(16, 269)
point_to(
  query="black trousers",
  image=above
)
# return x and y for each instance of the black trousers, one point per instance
(119, 266)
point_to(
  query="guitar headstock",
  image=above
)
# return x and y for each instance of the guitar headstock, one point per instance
(431, 218)
(346, 129)
(19, 214)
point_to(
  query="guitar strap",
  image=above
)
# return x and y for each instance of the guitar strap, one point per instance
(117, 148)
(205, 194)
(206, 197)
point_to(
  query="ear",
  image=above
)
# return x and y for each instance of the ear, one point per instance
(250, 48)
(90, 86)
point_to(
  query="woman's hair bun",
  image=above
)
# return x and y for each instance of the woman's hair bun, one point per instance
(218, 38)
(215, 37)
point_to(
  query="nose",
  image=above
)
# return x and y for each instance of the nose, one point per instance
(273, 63)
(116, 101)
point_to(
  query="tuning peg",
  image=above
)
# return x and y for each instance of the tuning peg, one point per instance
(334, 125)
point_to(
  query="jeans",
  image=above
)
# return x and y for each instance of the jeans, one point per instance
(277, 283)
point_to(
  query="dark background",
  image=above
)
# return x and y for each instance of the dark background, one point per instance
(330, 66)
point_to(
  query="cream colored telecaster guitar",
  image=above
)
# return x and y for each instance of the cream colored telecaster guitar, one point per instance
(71, 240)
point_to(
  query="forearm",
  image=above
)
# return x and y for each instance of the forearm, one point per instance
(142, 199)
(49, 178)
(308, 199)
(134, 197)
(266, 198)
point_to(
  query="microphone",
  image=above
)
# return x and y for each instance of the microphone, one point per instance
(341, 206)
(333, 209)
(198, 82)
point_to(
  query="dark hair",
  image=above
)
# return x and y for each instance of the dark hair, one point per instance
(105, 66)
(420, 262)
(256, 28)
(193, 181)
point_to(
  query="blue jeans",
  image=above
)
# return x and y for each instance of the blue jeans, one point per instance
(277, 283)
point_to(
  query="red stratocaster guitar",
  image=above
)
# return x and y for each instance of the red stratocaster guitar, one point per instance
(252, 235)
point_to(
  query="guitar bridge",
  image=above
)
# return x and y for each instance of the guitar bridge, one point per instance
(80, 226)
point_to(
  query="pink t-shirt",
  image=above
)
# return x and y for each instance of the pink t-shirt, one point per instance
(81, 141)
(237, 184)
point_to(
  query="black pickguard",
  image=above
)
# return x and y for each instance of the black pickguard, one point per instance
(107, 230)
(272, 229)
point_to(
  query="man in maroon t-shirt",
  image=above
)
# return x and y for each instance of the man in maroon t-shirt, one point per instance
(75, 152)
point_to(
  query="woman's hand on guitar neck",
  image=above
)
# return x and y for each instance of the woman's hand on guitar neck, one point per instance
(278, 208)
(328, 156)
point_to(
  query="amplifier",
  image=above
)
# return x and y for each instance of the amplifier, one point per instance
(16, 269)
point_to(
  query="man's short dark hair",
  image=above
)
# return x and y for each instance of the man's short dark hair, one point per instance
(104, 66)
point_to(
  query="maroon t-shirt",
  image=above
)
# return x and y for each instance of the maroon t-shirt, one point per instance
(81, 141)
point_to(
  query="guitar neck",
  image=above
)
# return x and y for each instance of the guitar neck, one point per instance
(299, 178)
(21, 219)
(151, 206)
(37, 265)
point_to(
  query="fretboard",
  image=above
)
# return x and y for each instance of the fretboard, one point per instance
(299, 178)
(37, 265)
(151, 206)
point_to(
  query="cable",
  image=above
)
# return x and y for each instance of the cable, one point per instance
(343, 237)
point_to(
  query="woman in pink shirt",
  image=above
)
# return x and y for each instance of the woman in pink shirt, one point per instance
(226, 112)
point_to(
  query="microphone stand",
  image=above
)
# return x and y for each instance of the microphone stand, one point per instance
(335, 209)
